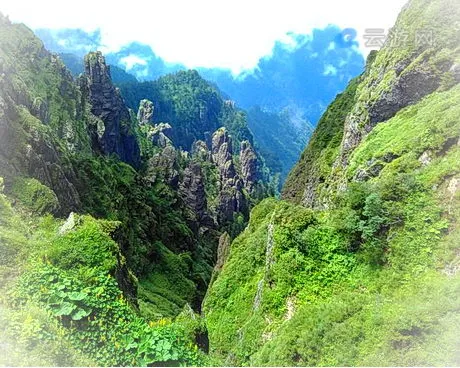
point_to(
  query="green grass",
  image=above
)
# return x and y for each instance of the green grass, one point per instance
(369, 281)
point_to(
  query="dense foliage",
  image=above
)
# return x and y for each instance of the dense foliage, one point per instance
(366, 271)
(103, 264)
(69, 276)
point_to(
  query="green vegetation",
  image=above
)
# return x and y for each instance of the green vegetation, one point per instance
(372, 274)
(184, 99)
(35, 196)
(367, 272)
(193, 107)
(102, 264)
(69, 276)
(316, 161)
(94, 290)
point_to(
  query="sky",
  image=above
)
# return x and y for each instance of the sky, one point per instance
(231, 34)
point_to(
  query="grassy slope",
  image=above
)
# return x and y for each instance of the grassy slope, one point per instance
(373, 279)
(372, 282)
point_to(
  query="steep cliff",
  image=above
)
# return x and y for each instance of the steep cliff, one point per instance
(116, 133)
(104, 221)
(420, 57)
(359, 264)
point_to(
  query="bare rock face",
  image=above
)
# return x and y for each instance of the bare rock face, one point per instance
(161, 135)
(410, 84)
(222, 154)
(408, 89)
(455, 70)
(191, 190)
(145, 112)
(249, 172)
(29, 151)
(223, 250)
(201, 151)
(165, 166)
(231, 197)
(107, 105)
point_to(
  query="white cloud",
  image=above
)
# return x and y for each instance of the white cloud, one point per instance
(233, 34)
(331, 46)
(329, 70)
(131, 60)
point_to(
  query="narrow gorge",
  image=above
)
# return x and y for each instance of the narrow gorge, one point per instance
(142, 223)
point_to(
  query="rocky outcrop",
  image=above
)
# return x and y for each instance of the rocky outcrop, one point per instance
(223, 251)
(222, 154)
(231, 197)
(249, 170)
(192, 192)
(44, 164)
(106, 104)
(145, 112)
(396, 79)
(161, 134)
(165, 166)
(200, 151)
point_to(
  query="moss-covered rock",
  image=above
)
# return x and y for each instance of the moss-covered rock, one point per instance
(35, 196)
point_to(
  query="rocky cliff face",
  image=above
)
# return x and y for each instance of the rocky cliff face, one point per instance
(116, 135)
(192, 191)
(399, 75)
(230, 193)
(249, 167)
(145, 112)
(231, 197)
(164, 166)
(26, 147)
(161, 135)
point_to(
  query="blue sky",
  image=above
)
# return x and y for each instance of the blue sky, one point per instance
(202, 33)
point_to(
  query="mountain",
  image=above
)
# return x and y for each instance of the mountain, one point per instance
(193, 107)
(358, 264)
(137, 226)
(280, 137)
(305, 72)
(300, 77)
(109, 229)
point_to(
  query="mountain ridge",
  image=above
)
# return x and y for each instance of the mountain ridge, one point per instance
(147, 238)
(355, 265)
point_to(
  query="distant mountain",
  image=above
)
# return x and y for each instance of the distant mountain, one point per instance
(305, 73)
(298, 79)
(278, 137)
